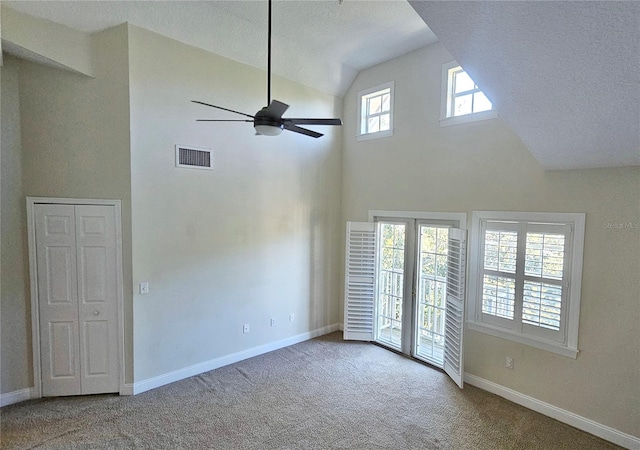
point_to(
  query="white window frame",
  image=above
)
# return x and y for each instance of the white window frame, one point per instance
(572, 280)
(454, 219)
(366, 93)
(446, 99)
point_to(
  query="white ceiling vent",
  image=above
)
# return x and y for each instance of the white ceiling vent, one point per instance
(194, 157)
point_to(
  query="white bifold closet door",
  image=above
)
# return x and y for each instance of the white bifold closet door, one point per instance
(77, 298)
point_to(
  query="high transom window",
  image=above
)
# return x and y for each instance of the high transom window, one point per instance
(462, 99)
(375, 112)
(465, 97)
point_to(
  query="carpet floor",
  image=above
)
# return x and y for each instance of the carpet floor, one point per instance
(320, 394)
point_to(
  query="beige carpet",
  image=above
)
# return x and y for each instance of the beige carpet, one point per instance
(320, 394)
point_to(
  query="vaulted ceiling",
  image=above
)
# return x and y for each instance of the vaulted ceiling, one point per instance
(564, 75)
(320, 43)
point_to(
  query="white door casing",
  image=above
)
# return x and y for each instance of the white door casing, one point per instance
(75, 250)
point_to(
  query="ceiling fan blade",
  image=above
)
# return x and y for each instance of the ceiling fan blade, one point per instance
(220, 107)
(223, 120)
(295, 129)
(313, 121)
(276, 109)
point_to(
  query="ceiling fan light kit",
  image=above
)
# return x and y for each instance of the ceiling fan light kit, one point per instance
(268, 130)
(269, 121)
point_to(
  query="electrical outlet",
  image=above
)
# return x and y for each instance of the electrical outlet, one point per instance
(292, 317)
(245, 328)
(508, 362)
(273, 322)
(144, 287)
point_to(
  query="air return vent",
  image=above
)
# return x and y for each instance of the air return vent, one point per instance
(194, 157)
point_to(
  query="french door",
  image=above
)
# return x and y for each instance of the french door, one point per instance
(405, 278)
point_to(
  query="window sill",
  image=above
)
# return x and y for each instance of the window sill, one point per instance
(468, 118)
(379, 134)
(550, 346)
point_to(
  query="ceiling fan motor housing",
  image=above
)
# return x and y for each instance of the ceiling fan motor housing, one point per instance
(263, 117)
(266, 124)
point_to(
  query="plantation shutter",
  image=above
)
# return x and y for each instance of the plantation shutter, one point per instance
(359, 294)
(454, 324)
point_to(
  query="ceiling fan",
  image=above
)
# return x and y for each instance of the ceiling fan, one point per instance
(269, 121)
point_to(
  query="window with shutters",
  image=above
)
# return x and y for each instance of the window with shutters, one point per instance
(375, 112)
(525, 277)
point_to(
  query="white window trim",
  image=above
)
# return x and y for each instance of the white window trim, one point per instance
(380, 134)
(577, 220)
(459, 220)
(444, 100)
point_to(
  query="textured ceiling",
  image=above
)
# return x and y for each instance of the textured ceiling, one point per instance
(564, 75)
(322, 43)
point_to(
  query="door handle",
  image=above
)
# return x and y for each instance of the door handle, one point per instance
(96, 313)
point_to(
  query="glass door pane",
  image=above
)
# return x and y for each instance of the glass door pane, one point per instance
(432, 284)
(391, 280)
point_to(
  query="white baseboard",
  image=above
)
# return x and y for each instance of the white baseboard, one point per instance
(196, 369)
(17, 396)
(582, 423)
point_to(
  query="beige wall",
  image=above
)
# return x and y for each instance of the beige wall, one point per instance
(15, 311)
(75, 138)
(252, 240)
(484, 166)
(47, 42)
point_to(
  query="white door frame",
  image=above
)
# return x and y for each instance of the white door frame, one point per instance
(33, 277)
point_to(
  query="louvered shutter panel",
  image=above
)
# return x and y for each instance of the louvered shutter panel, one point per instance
(454, 324)
(360, 281)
